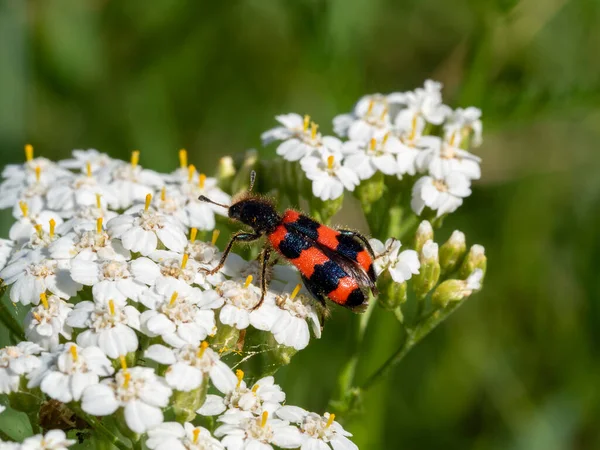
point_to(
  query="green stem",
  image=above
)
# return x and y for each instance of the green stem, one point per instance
(346, 377)
(410, 339)
(99, 428)
(11, 323)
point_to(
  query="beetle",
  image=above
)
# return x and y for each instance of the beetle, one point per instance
(334, 264)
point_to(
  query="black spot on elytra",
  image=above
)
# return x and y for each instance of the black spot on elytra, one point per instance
(327, 276)
(348, 246)
(355, 298)
(306, 226)
(293, 244)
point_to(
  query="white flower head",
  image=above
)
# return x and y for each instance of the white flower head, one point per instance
(461, 123)
(129, 182)
(69, 370)
(90, 243)
(440, 158)
(108, 324)
(189, 365)
(174, 436)
(16, 361)
(288, 315)
(330, 176)
(163, 265)
(29, 280)
(52, 440)
(92, 158)
(443, 195)
(264, 395)
(371, 115)
(32, 219)
(81, 190)
(199, 214)
(377, 154)
(241, 300)
(179, 313)
(46, 323)
(299, 135)
(401, 265)
(318, 432)
(32, 168)
(244, 431)
(425, 102)
(109, 279)
(137, 390)
(143, 228)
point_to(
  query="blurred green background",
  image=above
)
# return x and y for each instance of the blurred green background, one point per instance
(518, 367)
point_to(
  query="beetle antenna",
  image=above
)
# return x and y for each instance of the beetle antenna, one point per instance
(202, 198)
(252, 179)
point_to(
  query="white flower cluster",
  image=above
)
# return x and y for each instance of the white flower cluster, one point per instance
(100, 252)
(52, 440)
(400, 134)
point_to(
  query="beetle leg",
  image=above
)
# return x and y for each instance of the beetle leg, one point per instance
(264, 264)
(242, 237)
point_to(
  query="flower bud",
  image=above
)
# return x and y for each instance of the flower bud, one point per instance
(369, 191)
(475, 259)
(185, 404)
(424, 234)
(452, 252)
(429, 272)
(456, 290)
(392, 296)
(324, 210)
(225, 172)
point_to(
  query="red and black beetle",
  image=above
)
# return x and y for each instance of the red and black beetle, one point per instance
(334, 264)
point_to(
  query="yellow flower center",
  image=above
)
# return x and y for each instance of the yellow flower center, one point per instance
(215, 236)
(330, 420)
(148, 200)
(24, 208)
(330, 161)
(173, 298)
(73, 351)
(240, 376)
(28, 152)
(183, 158)
(248, 281)
(191, 170)
(193, 234)
(295, 291)
(44, 300)
(135, 158)
(52, 224)
(201, 180)
(202, 349)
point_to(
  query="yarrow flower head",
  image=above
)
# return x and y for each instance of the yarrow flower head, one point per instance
(46, 323)
(142, 230)
(401, 265)
(52, 440)
(330, 174)
(175, 436)
(242, 430)
(16, 361)
(189, 365)
(109, 325)
(318, 432)
(69, 370)
(264, 395)
(137, 390)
